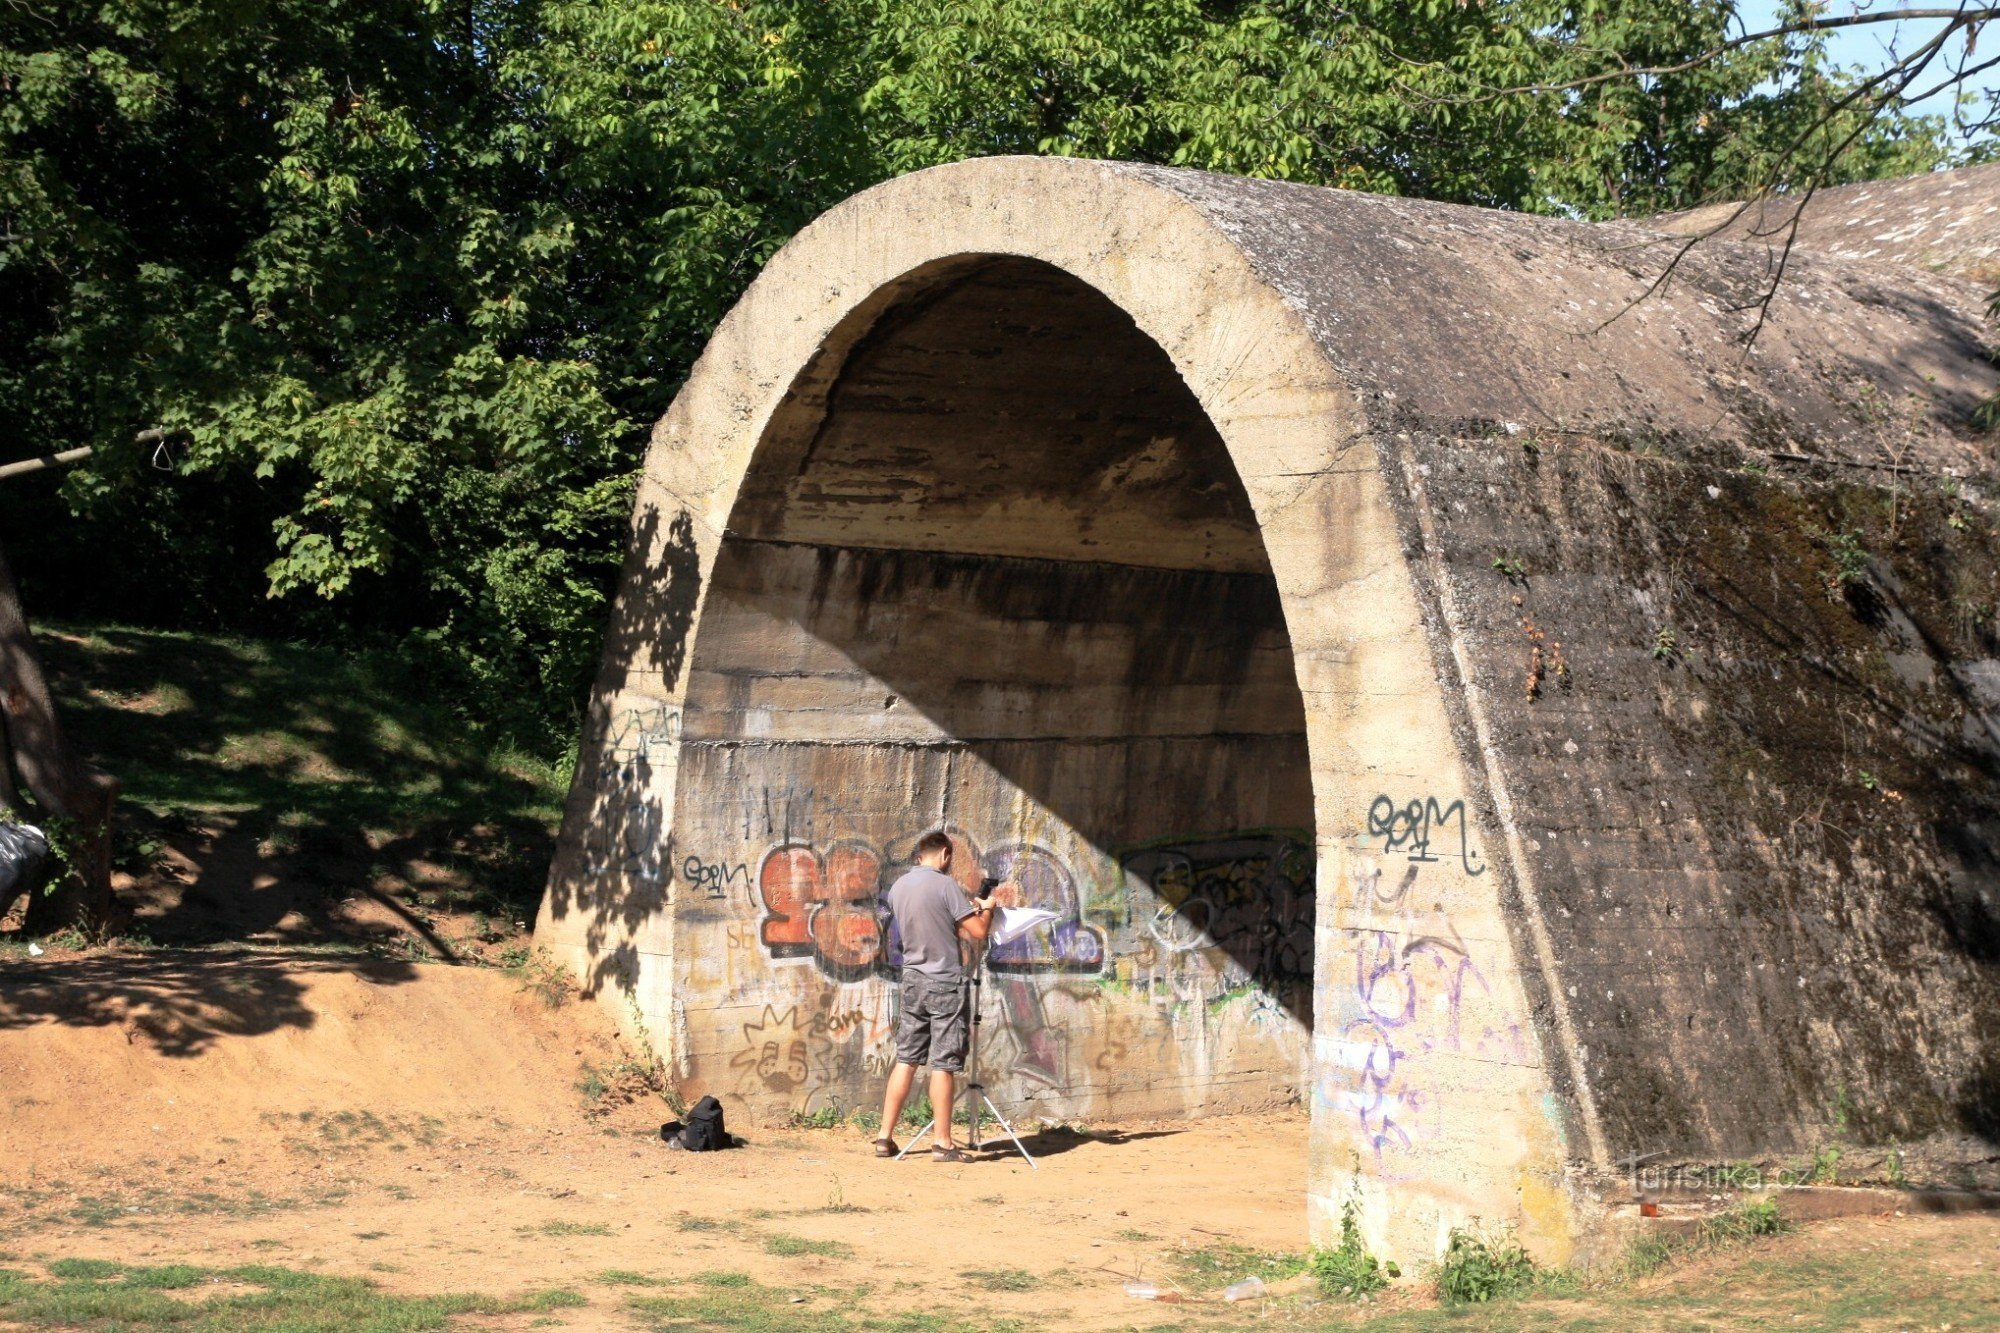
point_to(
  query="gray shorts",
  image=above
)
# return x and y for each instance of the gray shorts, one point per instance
(933, 1027)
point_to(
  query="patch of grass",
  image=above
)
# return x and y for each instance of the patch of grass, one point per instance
(564, 1227)
(83, 1293)
(722, 1279)
(779, 1243)
(744, 1306)
(1476, 1268)
(1217, 1266)
(1746, 1222)
(625, 1277)
(691, 1223)
(1135, 1235)
(1000, 1279)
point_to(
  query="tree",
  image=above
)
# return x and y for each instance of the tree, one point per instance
(407, 280)
(74, 799)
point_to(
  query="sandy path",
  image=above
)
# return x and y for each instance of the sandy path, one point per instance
(422, 1126)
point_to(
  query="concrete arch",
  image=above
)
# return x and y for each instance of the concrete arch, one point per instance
(1426, 1075)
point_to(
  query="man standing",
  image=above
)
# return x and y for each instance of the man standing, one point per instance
(941, 927)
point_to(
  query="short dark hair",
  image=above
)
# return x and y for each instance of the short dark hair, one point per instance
(937, 840)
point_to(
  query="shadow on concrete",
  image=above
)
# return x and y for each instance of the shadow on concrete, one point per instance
(616, 860)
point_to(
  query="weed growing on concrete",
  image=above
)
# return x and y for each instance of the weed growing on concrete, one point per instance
(1826, 1166)
(1667, 646)
(1348, 1269)
(1850, 562)
(1510, 568)
(1477, 1268)
(1740, 1225)
(1746, 1221)
(829, 1116)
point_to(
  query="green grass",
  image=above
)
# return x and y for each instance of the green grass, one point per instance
(87, 1293)
(791, 1246)
(564, 1227)
(1000, 1279)
(743, 1306)
(238, 724)
(1215, 1266)
(300, 751)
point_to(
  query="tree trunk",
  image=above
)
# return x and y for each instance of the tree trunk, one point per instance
(58, 779)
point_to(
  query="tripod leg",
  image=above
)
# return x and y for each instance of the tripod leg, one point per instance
(916, 1138)
(1001, 1121)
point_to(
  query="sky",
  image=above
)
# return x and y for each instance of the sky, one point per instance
(1869, 44)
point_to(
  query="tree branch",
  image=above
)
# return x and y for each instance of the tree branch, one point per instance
(1956, 19)
(30, 466)
(44, 462)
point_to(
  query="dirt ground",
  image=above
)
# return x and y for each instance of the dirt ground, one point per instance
(439, 1129)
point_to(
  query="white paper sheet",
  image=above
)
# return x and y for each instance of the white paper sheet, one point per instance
(1011, 923)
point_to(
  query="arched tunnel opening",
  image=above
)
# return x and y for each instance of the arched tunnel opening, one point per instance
(992, 570)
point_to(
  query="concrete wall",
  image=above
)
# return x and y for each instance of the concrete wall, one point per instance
(1127, 744)
(1764, 804)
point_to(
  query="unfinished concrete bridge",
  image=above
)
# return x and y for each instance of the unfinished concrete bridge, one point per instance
(1428, 681)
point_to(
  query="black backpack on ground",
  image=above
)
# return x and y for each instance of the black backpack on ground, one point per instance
(703, 1131)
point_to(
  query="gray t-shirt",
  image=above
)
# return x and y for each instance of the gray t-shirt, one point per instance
(928, 905)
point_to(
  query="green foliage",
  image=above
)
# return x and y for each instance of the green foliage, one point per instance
(406, 282)
(1746, 1221)
(1850, 560)
(1476, 1268)
(1348, 1269)
(829, 1116)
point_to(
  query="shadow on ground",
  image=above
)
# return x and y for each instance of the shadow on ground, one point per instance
(286, 793)
(179, 1003)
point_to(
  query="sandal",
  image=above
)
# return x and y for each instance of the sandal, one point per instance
(886, 1147)
(951, 1154)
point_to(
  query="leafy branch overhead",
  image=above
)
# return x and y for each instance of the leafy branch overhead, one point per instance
(405, 283)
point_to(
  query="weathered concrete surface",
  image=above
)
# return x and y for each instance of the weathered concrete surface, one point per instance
(1148, 528)
(1948, 222)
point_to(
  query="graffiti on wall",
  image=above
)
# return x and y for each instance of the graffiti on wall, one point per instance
(829, 906)
(1409, 827)
(1408, 985)
(1245, 902)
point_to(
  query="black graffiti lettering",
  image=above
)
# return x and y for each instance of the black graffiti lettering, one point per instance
(1408, 828)
(713, 878)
